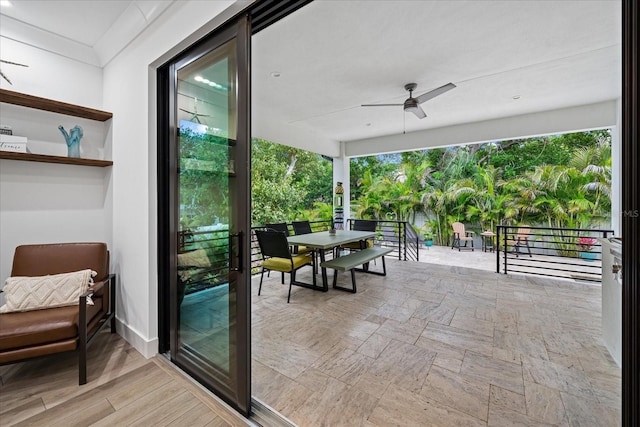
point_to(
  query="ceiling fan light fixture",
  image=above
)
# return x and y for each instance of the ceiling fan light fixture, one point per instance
(411, 105)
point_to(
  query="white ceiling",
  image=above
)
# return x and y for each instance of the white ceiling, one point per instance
(91, 31)
(333, 56)
(81, 21)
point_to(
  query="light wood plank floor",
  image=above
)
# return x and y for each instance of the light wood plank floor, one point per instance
(123, 389)
(432, 345)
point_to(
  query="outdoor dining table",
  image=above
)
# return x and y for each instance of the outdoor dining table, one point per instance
(324, 240)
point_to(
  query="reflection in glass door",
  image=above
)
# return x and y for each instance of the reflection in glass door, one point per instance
(209, 335)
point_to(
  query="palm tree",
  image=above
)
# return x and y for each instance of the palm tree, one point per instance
(480, 196)
(594, 162)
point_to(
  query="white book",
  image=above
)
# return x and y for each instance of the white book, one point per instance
(13, 143)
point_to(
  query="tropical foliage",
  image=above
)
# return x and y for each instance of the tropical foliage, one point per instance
(555, 181)
(288, 184)
(203, 189)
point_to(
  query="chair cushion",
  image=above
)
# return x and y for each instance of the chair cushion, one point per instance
(33, 293)
(304, 250)
(284, 264)
(356, 245)
(37, 327)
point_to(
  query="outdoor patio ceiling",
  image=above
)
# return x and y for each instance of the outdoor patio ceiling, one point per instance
(521, 68)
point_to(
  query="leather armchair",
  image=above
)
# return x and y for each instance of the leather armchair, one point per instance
(30, 334)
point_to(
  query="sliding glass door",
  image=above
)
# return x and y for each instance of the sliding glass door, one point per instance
(209, 303)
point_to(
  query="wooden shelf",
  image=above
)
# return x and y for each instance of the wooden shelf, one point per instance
(42, 158)
(45, 104)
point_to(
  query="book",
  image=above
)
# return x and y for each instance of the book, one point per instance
(13, 143)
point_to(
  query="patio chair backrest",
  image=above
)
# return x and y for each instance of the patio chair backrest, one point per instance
(458, 228)
(364, 225)
(273, 244)
(301, 227)
(279, 226)
(523, 232)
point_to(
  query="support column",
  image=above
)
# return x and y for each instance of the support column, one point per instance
(341, 173)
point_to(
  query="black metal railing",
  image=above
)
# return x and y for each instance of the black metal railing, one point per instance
(215, 245)
(412, 243)
(573, 253)
(397, 235)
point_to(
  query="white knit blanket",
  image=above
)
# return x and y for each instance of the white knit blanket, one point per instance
(33, 293)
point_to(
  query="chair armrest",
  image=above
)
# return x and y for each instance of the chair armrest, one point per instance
(108, 281)
(470, 232)
(98, 286)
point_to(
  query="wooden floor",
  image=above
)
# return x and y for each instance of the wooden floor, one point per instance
(123, 389)
(433, 345)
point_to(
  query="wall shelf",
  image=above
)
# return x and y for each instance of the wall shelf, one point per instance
(35, 102)
(42, 158)
(45, 104)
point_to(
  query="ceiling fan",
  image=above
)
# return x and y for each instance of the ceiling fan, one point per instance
(412, 104)
(195, 116)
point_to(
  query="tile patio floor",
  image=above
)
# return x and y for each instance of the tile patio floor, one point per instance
(434, 345)
(444, 255)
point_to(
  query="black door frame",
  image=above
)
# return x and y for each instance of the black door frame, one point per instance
(630, 214)
(235, 388)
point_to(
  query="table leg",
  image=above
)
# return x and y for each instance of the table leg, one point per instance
(325, 284)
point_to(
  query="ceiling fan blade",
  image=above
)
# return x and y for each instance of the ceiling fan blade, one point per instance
(381, 105)
(432, 94)
(418, 111)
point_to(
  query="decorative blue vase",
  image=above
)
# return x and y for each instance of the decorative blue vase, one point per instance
(588, 256)
(73, 140)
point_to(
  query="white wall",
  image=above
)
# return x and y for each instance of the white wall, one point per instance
(50, 75)
(129, 93)
(41, 202)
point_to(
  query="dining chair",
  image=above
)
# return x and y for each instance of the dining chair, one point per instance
(304, 227)
(279, 226)
(361, 225)
(301, 227)
(277, 256)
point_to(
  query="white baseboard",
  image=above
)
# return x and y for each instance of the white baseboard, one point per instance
(148, 348)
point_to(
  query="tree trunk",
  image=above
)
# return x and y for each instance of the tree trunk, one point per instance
(292, 165)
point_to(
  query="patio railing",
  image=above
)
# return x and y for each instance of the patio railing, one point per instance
(215, 243)
(546, 251)
(397, 235)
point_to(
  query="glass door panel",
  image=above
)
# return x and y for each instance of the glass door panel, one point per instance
(207, 129)
(207, 338)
